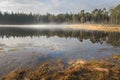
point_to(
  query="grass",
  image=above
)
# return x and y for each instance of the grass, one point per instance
(13, 49)
(105, 69)
(1, 48)
(98, 27)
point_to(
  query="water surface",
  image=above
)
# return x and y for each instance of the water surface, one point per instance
(29, 47)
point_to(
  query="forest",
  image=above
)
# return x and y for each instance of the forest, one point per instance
(112, 38)
(97, 16)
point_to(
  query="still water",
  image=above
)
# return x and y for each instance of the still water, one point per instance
(29, 47)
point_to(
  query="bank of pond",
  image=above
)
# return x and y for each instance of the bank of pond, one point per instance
(104, 69)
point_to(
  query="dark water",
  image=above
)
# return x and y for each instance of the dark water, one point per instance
(28, 47)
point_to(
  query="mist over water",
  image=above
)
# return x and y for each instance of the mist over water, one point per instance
(40, 26)
(30, 45)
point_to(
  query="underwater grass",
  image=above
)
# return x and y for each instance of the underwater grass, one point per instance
(104, 69)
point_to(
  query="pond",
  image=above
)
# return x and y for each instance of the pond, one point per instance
(29, 47)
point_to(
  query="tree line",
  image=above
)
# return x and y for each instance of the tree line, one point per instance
(96, 16)
(112, 38)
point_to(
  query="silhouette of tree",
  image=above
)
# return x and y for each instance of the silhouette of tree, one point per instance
(96, 16)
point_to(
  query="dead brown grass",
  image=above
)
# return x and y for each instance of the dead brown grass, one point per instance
(99, 27)
(105, 69)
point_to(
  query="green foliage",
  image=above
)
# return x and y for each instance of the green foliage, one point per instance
(115, 15)
(112, 38)
(96, 16)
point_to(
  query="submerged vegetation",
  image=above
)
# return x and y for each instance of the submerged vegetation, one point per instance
(105, 69)
(96, 16)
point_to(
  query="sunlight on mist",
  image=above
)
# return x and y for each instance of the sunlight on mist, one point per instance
(44, 26)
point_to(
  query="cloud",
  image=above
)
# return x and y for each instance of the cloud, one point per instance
(54, 6)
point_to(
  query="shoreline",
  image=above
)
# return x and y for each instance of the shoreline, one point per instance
(93, 27)
(76, 70)
(98, 27)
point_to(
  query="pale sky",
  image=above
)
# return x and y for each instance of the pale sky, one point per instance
(55, 6)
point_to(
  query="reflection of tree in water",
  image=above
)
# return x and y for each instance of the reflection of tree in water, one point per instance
(112, 38)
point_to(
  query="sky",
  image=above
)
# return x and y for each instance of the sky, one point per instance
(55, 6)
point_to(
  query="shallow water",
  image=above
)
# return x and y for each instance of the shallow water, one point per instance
(28, 47)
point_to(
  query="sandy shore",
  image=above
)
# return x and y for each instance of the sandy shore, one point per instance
(99, 27)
